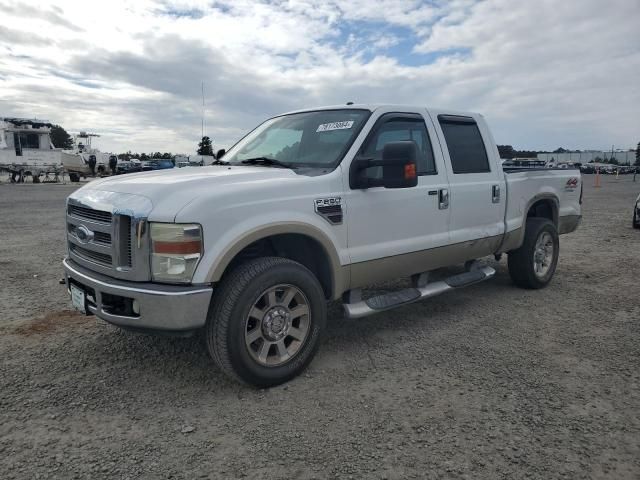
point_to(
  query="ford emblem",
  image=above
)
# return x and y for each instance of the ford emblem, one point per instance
(83, 234)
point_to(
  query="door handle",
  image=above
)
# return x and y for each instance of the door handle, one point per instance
(495, 193)
(443, 198)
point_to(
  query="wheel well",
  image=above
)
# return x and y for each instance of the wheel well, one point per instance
(297, 247)
(545, 208)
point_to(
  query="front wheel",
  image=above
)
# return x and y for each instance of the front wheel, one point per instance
(636, 220)
(265, 321)
(534, 263)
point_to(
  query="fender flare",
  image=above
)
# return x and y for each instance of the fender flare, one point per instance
(555, 211)
(339, 275)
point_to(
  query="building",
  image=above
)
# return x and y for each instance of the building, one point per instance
(623, 158)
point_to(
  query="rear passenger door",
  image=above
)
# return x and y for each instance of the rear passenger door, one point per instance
(477, 196)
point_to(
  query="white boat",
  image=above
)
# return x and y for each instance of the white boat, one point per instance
(83, 151)
(26, 149)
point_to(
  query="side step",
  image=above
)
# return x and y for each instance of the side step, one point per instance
(391, 300)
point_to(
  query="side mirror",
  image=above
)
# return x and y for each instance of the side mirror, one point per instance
(399, 168)
(220, 153)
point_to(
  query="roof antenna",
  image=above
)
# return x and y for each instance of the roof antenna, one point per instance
(202, 110)
(349, 103)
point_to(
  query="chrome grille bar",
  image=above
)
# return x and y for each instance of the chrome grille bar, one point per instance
(89, 214)
(91, 256)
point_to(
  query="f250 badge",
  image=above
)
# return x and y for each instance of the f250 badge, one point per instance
(330, 208)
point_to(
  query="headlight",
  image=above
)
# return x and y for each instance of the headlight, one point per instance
(176, 250)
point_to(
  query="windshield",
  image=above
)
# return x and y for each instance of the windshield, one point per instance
(310, 139)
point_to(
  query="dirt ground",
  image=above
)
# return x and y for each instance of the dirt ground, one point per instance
(486, 382)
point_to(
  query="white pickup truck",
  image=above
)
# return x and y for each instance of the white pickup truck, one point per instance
(311, 206)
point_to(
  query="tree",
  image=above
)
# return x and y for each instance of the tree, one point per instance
(205, 147)
(638, 155)
(60, 138)
(506, 151)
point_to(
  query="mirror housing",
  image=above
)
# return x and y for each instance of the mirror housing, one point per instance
(220, 153)
(399, 167)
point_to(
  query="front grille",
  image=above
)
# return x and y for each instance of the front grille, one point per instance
(91, 256)
(102, 238)
(90, 214)
(112, 247)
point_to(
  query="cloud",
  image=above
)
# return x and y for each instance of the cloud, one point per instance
(543, 73)
(53, 15)
(9, 36)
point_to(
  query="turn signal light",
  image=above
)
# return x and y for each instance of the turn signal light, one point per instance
(410, 171)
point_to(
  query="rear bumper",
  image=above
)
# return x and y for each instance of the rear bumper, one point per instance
(160, 307)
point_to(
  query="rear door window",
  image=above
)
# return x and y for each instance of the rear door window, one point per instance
(464, 141)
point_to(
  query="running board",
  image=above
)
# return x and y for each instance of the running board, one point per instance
(391, 300)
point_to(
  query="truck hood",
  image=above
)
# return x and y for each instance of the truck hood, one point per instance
(170, 190)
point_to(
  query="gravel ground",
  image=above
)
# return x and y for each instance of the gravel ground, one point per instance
(487, 382)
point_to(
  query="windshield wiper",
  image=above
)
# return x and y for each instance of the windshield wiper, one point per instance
(220, 162)
(267, 162)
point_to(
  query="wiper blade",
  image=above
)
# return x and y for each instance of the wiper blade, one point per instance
(220, 162)
(267, 161)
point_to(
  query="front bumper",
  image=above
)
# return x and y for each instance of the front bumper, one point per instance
(159, 307)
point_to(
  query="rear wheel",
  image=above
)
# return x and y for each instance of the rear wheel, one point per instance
(265, 321)
(636, 221)
(534, 263)
(74, 177)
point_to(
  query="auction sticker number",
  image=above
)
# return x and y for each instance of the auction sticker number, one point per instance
(326, 127)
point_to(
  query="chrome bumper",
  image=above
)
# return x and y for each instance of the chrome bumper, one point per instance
(160, 307)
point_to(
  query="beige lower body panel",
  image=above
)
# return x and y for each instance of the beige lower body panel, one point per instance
(568, 223)
(512, 240)
(397, 266)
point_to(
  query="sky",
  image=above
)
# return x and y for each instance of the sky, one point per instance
(544, 73)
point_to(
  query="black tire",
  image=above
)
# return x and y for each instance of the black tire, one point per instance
(521, 261)
(74, 177)
(229, 311)
(636, 222)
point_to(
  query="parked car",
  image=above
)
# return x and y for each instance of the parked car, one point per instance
(127, 167)
(636, 213)
(158, 164)
(312, 206)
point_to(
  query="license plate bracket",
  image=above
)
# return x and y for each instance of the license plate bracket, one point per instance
(78, 298)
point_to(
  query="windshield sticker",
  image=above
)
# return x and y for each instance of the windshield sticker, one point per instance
(326, 127)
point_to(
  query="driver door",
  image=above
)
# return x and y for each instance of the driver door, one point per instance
(392, 232)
